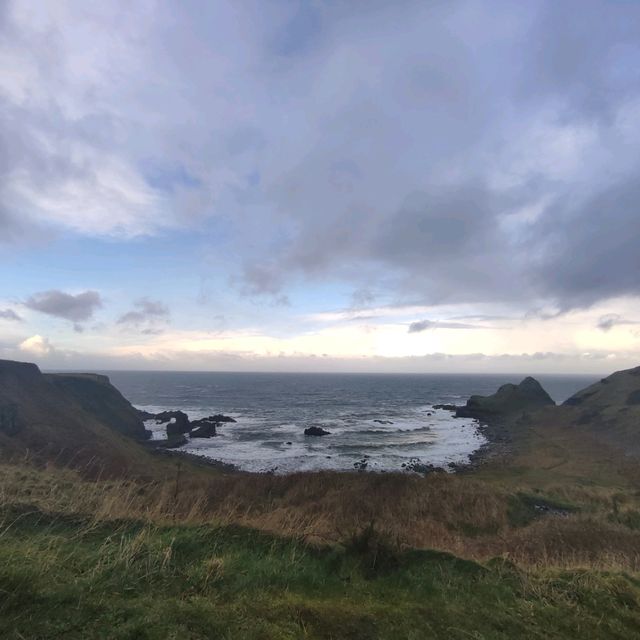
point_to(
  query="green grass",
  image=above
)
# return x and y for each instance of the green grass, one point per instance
(70, 577)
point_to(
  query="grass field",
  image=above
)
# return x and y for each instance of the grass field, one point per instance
(72, 577)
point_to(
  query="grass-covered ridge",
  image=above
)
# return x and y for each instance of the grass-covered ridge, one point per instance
(72, 577)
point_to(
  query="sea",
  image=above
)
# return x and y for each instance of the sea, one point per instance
(376, 422)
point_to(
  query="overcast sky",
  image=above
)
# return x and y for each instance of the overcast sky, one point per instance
(316, 185)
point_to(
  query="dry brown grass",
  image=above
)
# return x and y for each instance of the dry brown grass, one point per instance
(460, 514)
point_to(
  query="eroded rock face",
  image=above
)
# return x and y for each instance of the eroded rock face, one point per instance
(95, 394)
(508, 400)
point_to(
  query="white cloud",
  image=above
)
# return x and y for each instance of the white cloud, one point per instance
(37, 345)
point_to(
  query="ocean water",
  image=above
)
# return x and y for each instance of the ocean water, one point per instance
(384, 419)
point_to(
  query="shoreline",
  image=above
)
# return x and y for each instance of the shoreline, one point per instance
(496, 446)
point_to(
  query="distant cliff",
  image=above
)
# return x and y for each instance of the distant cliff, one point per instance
(77, 419)
(510, 399)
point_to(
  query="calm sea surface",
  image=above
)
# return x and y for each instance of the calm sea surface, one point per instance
(385, 419)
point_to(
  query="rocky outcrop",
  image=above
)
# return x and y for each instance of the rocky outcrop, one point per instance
(446, 407)
(205, 431)
(218, 418)
(316, 431)
(510, 399)
(178, 423)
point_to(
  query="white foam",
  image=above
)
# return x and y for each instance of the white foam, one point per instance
(252, 444)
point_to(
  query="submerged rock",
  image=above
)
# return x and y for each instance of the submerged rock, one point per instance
(316, 431)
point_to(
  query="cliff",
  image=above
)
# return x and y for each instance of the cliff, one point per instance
(80, 420)
(99, 397)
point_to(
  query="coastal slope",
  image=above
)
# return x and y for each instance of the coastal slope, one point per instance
(80, 420)
(609, 410)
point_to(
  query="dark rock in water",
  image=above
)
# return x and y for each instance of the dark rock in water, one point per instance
(288, 443)
(205, 427)
(316, 431)
(9, 421)
(217, 419)
(204, 431)
(145, 415)
(446, 407)
(417, 466)
(509, 399)
(383, 421)
(177, 422)
(167, 416)
(361, 465)
(173, 442)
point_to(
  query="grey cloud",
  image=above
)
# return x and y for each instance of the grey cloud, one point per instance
(425, 325)
(607, 322)
(147, 313)
(588, 247)
(436, 196)
(76, 308)
(9, 314)
(455, 151)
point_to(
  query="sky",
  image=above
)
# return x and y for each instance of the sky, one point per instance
(278, 185)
